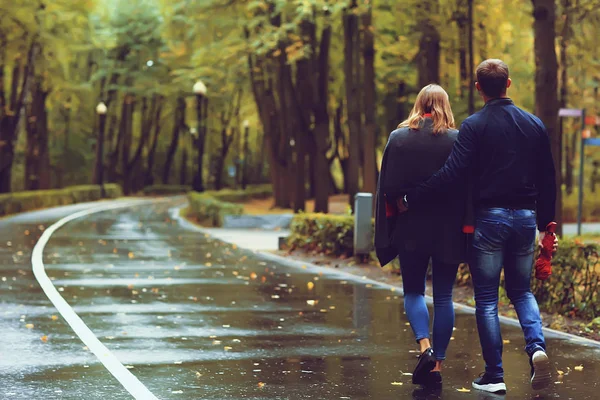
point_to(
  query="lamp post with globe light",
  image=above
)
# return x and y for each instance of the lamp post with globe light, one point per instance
(201, 107)
(101, 110)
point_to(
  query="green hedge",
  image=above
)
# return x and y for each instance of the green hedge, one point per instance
(207, 210)
(12, 203)
(326, 233)
(571, 290)
(163, 190)
(211, 207)
(240, 196)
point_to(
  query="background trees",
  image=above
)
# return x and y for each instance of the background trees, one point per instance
(321, 83)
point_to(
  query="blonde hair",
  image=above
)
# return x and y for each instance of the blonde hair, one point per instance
(432, 99)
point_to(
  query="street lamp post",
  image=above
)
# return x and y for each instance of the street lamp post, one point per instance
(245, 154)
(201, 106)
(101, 110)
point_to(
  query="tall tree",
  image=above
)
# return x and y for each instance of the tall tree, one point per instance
(546, 84)
(352, 82)
(428, 58)
(370, 101)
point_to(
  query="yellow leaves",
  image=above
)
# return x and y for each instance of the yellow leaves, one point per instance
(198, 374)
(54, 318)
(578, 368)
(506, 341)
(131, 255)
(560, 373)
(227, 348)
(463, 390)
(397, 383)
(312, 302)
(310, 285)
(253, 276)
(208, 264)
(261, 385)
(44, 339)
(29, 326)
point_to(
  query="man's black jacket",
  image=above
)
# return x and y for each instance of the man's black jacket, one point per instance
(507, 152)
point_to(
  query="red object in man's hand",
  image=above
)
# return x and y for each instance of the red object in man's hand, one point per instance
(543, 265)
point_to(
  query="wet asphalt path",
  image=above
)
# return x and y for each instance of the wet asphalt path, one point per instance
(195, 318)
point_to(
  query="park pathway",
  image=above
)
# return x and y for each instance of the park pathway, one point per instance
(193, 317)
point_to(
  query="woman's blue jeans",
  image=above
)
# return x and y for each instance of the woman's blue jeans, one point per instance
(504, 237)
(414, 267)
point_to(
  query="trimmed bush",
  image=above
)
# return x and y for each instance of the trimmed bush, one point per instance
(12, 203)
(209, 211)
(329, 234)
(165, 190)
(240, 196)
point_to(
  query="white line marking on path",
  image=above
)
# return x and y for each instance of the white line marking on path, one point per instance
(114, 366)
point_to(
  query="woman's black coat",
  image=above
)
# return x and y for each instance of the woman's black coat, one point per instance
(410, 157)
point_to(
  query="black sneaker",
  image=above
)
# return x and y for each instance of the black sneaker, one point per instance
(425, 364)
(541, 370)
(487, 384)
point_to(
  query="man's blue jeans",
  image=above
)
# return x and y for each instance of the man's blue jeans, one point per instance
(504, 237)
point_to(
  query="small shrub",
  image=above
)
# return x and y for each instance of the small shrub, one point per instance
(165, 190)
(209, 211)
(240, 196)
(325, 233)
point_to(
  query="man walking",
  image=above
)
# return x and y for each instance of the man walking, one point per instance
(506, 153)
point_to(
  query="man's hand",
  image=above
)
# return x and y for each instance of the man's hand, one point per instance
(541, 238)
(400, 206)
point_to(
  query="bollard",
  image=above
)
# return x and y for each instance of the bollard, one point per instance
(363, 227)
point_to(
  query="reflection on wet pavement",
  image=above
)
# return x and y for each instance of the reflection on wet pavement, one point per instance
(195, 318)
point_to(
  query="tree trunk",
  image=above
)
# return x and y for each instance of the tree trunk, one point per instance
(10, 112)
(351, 74)
(127, 140)
(462, 22)
(370, 100)
(37, 159)
(564, 92)
(546, 85)
(471, 80)
(149, 175)
(428, 58)
(178, 119)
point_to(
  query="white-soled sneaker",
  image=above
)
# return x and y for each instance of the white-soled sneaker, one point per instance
(487, 384)
(541, 371)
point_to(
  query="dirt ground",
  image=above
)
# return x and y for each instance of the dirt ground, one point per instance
(338, 204)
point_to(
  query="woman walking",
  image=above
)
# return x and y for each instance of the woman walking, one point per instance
(435, 231)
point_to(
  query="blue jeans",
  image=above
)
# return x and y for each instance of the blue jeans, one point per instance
(414, 267)
(504, 237)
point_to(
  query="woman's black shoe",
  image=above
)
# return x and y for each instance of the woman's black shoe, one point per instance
(434, 380)
(425, 364)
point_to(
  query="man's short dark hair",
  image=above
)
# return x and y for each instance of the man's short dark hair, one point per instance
(492, 76)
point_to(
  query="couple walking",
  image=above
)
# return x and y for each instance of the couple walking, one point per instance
(497, 171)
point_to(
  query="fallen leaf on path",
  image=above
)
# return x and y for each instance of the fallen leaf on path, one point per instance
(463, 390)
(131, 255)
(54, 318)
(177, 391)
(506, 341)
(578, 368)
(397, 383)
(44, 339)
(261, 384)
(29, 326)
(312, 302)
(310, 285)
(560, 372)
